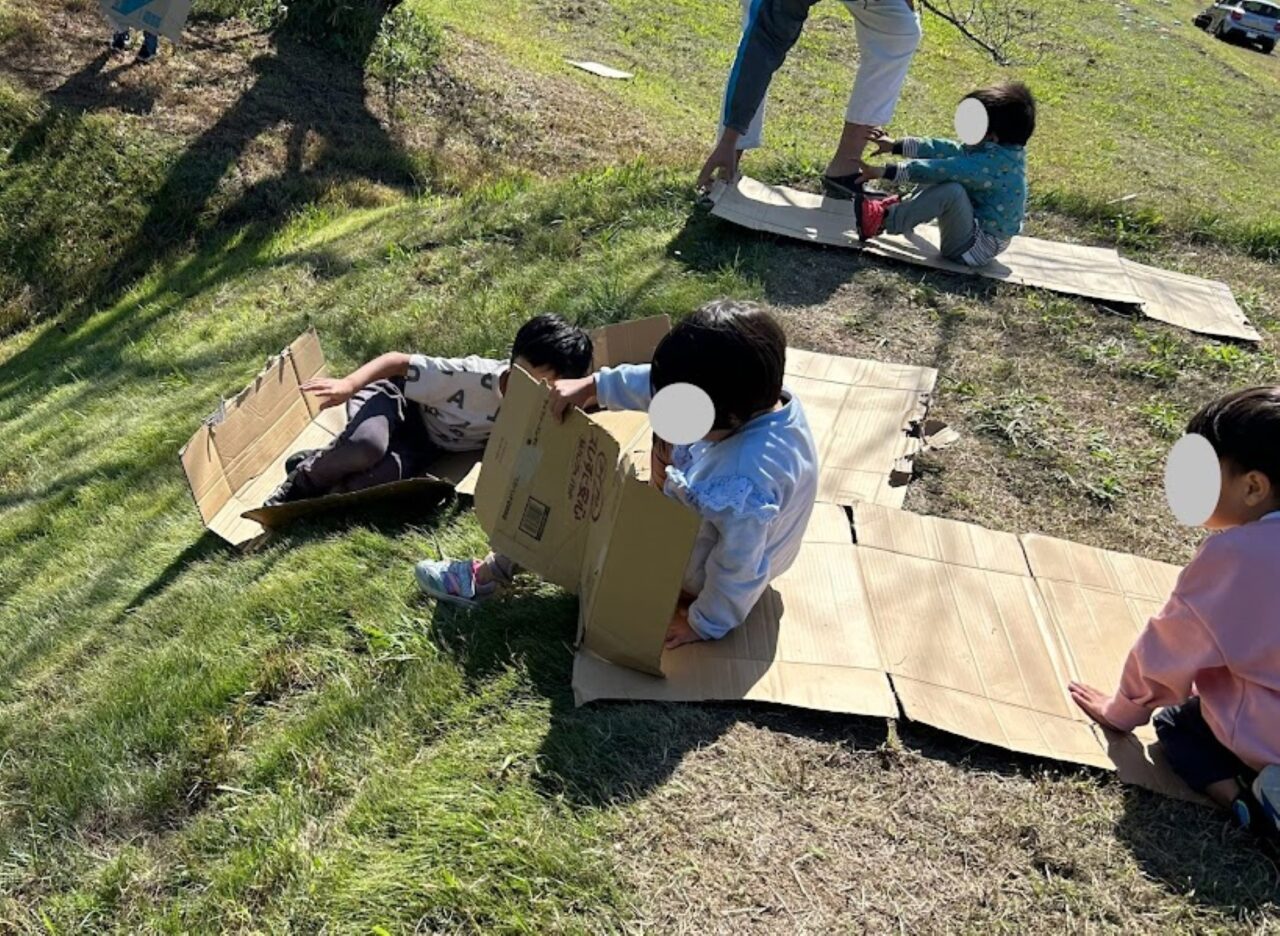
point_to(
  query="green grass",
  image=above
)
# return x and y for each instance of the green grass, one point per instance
(193, 740)
(1165, 112)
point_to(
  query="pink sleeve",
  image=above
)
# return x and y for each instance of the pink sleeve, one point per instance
(1163, 663)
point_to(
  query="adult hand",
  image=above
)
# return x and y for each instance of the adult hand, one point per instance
(680, 631)
(566, 394)
(721, 164)
(330, 391)
(1091, 701)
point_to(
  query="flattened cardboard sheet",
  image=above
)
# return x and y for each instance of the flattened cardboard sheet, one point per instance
(979, 632)
(792, 649)
(865, 417)
(1198, 305)
(1095, 272)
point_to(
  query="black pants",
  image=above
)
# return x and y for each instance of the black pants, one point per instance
(385, 440)
(1192, 749)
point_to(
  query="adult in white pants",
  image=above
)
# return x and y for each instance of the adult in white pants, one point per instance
(888, 33)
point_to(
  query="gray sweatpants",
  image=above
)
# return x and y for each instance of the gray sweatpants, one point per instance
(948, 202)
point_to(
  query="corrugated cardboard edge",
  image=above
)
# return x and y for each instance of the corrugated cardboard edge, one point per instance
(1190, 302)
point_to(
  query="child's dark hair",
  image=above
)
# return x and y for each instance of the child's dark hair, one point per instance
(550, 341)
(1244, 429)
(1011, 111)
(734, 351)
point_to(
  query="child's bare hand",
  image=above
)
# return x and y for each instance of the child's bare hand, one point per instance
(680, 631)
(1091, 701)
(883, 143)
(566, 394)
(330, 391)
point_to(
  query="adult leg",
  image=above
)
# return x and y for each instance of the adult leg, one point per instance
(770, 28)
(888, 34)
(948, 202)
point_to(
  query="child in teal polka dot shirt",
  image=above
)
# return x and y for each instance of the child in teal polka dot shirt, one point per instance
(978, 194)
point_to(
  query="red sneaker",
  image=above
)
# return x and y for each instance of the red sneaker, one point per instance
(869, 211)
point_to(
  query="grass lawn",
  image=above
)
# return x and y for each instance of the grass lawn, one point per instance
(293, 741)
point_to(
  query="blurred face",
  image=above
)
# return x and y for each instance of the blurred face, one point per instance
(1246, 496)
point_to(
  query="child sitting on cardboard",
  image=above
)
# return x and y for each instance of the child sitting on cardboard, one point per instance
(404, 410)
(978, 194)
(1210, 660)
(753, 478)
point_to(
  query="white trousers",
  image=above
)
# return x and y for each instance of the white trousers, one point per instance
(888, 34)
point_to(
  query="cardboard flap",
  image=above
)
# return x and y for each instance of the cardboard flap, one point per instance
(261, 423)
(937, 538)
(204, 473)
(308, 363)
(544, 482)
(625, 614)
(1199, 305)
(628, 342)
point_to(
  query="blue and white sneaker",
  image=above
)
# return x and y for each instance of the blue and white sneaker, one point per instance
(1266, 790)
(453, 581)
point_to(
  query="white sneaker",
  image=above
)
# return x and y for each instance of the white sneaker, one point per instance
(1266, 790)
(451, 581)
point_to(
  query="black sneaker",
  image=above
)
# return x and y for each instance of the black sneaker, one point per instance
(150, 49)
(120, 41)
(296, 487)
(845, 187)
(297, 458)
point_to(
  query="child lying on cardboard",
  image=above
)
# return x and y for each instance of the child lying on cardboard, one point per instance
(752, 479)
(404, 410)
(1210, 660)
(978, 194)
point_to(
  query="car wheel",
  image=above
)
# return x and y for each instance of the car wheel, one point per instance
(1266, 47)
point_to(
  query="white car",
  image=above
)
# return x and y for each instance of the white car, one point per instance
(1254, 22)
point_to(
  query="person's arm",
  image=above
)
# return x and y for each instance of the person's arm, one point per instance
(736, 575)
(1175, 645)
(927, 148)
(1162, 665)
(624, 388)
(332, 391)
(973, 171)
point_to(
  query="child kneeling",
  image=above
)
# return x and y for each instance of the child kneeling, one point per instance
(1210, 660)
(752, 479)
(978, 194)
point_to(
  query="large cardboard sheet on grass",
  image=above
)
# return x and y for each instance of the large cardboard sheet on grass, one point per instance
(166, 17)
(1198, 305)
(866, 418)
(1096, 272)
(978, 631)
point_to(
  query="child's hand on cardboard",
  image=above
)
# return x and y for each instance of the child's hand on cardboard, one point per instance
(680, 631)
(330, 391)
(571, 392)
(1091, 701)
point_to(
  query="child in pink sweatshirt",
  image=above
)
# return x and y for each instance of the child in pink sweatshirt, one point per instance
(1210, 660)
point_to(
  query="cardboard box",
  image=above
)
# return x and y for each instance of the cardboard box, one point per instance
(569, 501)
(235, 460)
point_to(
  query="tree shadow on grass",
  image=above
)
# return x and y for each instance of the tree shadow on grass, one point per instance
(605, 753)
